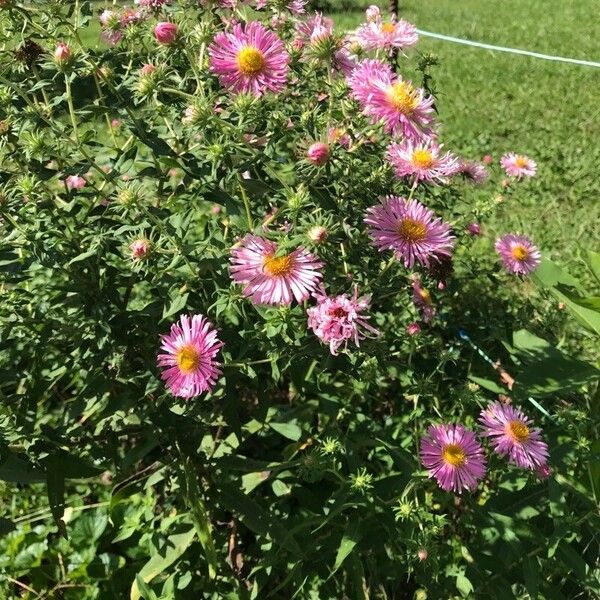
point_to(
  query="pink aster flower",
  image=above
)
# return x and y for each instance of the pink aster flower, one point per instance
(423, 301)
(410, 229)
(75, 182)
(365, 75)
(269, 278)
(473, 171)
(473, 229)
(153, 4)
(335, 320)
(518, 254)
(511, 434)
(422, 160)
(518, 165)
(378, 34)
(452, 454)
(189, 356)
(306, 29)
(250, 59)
(413, 329)
(403, 108)
(373, 13)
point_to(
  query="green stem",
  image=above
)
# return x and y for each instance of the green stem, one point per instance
(246, 206)
(71, 108)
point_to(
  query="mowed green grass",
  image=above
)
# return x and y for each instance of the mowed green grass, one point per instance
(492, 102)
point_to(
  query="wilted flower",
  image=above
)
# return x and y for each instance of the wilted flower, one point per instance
(518, 165)
(511, 434)
(410, 229)
(249, 59)
(166, 33)
(452, 454)
(518, 254)
(75, 182)
(473, 171)
(189, 356)
(423, 301)
(269, 278)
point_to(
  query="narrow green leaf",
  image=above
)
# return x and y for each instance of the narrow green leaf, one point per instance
(593, 261)
(287, 430)
(144, 588)
(55, 481)
(351, 537)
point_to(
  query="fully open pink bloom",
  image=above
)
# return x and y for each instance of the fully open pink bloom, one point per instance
(511, 434)
(452, 454)
(75, 182)
(518, 254)
(166, 33)
(378, 34)
(518, 165)
(364, 76)
(249, 59)
(410, 229)
(422, 160)
(189, 356)
(335, 320)
(423, 301)
(318, 153)
(269, 278)
(403, 108)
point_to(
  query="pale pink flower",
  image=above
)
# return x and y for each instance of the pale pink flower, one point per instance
(317, 234)
(271, 278)
(62, 53)
(424, 161)
(336, 320)
(139, 248)
(518, 165)
(422, 554)
(423, 301)
(512, 435)
(488, 159)
(249, 59)
(166, 33)
(452, 454)
(518, 254)
(336, 135)
(318, 153)
(378, 34)
(189, 357)
(473, 171)
(314, 23)
(373, 14)
(410, 229)
(365, 75)
(148, 69)
(474, 229)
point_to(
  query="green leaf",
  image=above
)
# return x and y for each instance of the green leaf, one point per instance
(178, 303)
(585, 316)
(6, 526)
(55, 481)
(200, 518)
(531, 577)
(463, 585)
(351, 537)
(287, 430)
(593, 261)
(257, 518)
(176, 545)
(144, 588)
(488, 384)
(548, 275)
(16, 469)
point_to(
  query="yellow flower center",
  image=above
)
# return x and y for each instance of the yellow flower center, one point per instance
(521, 162)
(188, 359)
(454, 455)
(250, 60)
(276, 266)
(422, 158)
(517, 431)
(520, 252)
(403, 97)
(411, 230)
(388, 27)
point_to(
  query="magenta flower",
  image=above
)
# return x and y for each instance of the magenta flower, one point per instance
(335, 320)
(318, 153)
(189, 356)
(473, 229)
(269, 278)
(365, 75)
(249, 59)
(518, 165)
(166, 33)
(75, 182)
(423, 301)
(403, 108)
(377, 34)
(473, 171)
(410, 229)
(413, 329)
(314, 24)
(511, 434)
(422, 160)
(452, 454)
(518, 254)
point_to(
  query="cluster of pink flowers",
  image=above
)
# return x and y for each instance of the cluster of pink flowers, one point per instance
(114, 23)
(455, 458)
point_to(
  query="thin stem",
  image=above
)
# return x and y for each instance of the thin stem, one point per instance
(71, 108)
(246, 206)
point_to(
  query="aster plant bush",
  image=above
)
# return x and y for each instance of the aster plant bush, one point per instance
(254, 344)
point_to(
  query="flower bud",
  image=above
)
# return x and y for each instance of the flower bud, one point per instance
(75, 182)
(166, 33)
(62, 54)
(474, 229)
(317, 234)
(413, 329)
(318, 153)
(422, 554)
(140, 249)
(148, 69)
(373, 13)
(488, 159)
